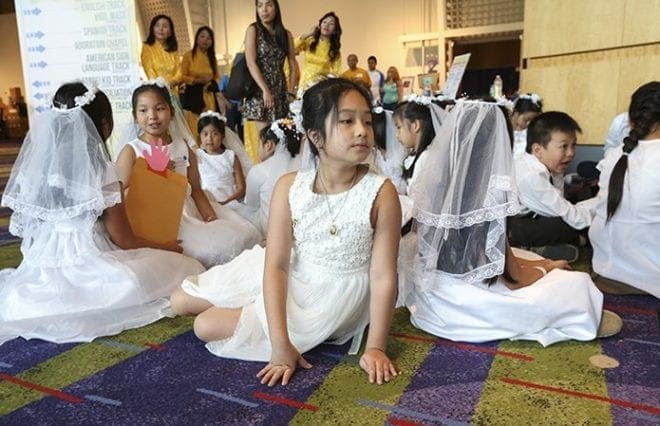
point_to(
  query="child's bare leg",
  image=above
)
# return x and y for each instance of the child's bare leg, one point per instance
(216, 323)
(184, 304)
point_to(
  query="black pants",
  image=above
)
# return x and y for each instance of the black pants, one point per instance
(540, 231)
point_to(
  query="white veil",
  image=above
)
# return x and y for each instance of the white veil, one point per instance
(462, 199)
(62, 171)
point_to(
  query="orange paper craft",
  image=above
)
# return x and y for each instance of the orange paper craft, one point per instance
(154, 203)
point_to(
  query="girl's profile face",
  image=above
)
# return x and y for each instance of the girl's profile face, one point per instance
(204, 40)
(405, 134)
(521, 120)
(211, 139)
(328, 26)
(352, 137)
(266, 10)
(162, 29)
(153, 114)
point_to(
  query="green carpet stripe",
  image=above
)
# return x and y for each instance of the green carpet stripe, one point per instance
(10, 255)
(85, 360)
(339, 396)
(563, 365)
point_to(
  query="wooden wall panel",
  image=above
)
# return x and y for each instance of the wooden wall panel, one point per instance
(555, 27)
(639, 65)
(641, 22)
(582, 85)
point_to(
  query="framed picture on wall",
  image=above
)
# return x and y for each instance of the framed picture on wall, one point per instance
(407, 85)
(428, 82)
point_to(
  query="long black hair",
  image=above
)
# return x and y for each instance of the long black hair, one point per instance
(97, 110)
(171, 45)
(335, 38)
(211, 50)
(644, 116)
(281, 35)
(412, 111)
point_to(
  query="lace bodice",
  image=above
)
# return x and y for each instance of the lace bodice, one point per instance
(350, 246)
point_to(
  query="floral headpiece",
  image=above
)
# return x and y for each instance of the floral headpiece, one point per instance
(536, 99)
(158, 81)
(377, 110)
(82, 100)
(425, 100)
(277, 128)
(213, 114)
(295, 108)
(506, 103)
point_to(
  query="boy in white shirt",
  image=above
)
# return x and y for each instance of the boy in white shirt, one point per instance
(548, 223)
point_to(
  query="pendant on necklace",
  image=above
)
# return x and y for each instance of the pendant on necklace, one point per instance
(333, 229)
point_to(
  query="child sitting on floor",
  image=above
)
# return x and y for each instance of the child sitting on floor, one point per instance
(548, 223)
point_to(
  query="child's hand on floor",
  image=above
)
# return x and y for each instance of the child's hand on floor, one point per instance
(377, 365)
(282, 365)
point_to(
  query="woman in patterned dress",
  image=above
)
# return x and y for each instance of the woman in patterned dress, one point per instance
(267, 45)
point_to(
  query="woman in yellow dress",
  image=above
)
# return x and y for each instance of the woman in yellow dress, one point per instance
(160, 57)
(199, 73)
(321, 47)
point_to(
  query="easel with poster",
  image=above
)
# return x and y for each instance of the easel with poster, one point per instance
(455, 75)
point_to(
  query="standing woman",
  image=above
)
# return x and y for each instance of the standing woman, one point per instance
(160, 57)
(392, 89)
(199, 71)
(267, 45)
(321, 46)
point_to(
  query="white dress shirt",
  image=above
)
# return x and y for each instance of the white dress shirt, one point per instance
(538, 195)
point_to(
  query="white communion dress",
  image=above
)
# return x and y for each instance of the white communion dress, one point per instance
(73, 284)
(562, 305)
(215, 242)
(328, 287)
(216, 173)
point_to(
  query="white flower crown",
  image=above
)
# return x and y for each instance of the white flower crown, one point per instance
(536, 99)
(377, 110)
(213, 114)
(158, 81)
(425, 100)
(506, 103)
(82, 100)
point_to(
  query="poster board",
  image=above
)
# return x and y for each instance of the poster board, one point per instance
(67, 40)
(154, 203)
(455, 75)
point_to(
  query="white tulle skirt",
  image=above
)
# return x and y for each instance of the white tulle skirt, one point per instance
(217, 242)
(74, 285)
(322, 305)
(563, 305)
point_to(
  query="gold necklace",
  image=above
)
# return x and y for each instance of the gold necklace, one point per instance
(334, 229)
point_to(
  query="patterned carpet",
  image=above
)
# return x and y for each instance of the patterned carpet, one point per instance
(161, 374)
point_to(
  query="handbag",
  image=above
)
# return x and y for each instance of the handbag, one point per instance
(241, 84)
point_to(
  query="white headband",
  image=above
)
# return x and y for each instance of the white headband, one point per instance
(536, 99)
(213, 114)
(82, 100)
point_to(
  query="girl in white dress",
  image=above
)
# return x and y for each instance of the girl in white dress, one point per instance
(279, 153)
(84, 274)
(209, 232)
(220, 171)
(625, 232)
(527, 106)
(329, 267)
(463, 282)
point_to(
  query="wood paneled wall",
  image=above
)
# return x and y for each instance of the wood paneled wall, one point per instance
(586, 57)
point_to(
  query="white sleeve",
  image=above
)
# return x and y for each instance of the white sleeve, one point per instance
(619, 129)
(540, 196)
(253, 183)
